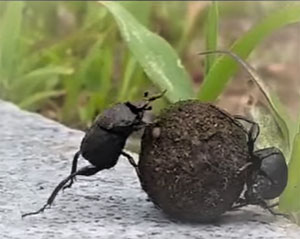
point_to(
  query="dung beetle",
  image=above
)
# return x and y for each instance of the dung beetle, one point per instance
(104, 142)
(267, 172)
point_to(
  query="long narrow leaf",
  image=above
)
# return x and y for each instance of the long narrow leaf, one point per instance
(281, 117)
(131, 65)
(10, 34)
(211, 36)
(157, 57)
(224, 68)
(39, 79)
(33, 78)
(48, 70)
(37, 97)
(289, 200)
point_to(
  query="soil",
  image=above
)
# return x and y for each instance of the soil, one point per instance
(190, 160)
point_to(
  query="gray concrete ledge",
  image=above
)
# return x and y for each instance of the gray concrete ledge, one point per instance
(36, 153)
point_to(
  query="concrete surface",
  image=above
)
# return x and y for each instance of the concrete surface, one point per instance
(36, 153)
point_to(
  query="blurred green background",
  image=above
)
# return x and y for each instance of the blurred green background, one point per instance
(70, 60)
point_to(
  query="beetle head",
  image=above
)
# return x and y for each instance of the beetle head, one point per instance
(124, 118)
(119, 119)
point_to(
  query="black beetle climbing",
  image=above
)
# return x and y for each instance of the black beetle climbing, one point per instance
(267, 172)
(104, 141)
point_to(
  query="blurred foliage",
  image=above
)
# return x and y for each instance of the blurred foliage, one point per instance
(67, 60)
(70, 60)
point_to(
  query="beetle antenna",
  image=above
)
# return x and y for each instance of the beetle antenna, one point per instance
(155, 97)
(150, 99)
(136, 110)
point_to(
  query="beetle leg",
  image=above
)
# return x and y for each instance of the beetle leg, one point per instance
(241, 169)
(131, 161)
(241, 202)
(85, 171)
(264, 205)
(73, 170)
(253, 132)
(254, 127)
(273, 205)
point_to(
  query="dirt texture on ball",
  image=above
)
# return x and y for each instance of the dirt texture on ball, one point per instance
(190, 161)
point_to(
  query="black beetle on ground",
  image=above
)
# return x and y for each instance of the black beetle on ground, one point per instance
(267, 172)
(104, 142)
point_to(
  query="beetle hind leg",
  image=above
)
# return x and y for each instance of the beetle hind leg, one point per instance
(73, 170)
(85, 171)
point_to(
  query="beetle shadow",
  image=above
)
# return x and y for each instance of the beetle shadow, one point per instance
(247, 214)
(139, 210)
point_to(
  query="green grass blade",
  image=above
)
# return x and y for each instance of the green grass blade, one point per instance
(289, 200)
(130, 67)
(47, 71)
(33, 78)
(282, 119)
(211, 35)
(224, 68)
(36, 98)
(140, 10)
(42, 79)
(156, 56)
(270, 133)
(10, 34)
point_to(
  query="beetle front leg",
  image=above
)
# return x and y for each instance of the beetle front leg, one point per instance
(131, 161)
(85, 171)
(252, 133)
(264, 205)
(241, 202)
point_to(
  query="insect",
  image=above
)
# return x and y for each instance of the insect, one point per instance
(104, 142)
(267, 173)
(268, 170)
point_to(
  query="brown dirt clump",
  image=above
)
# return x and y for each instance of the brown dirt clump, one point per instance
(190, 160)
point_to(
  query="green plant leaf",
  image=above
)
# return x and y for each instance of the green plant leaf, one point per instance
(41, 79)
(10, 34)
(48, 70)
(31, 79)
(211, 36)
(270, 132)
(157, 57)
(139, 9)
(129, 70)
(30, 102)
(224, 67)
(289, 200)
(281, 117)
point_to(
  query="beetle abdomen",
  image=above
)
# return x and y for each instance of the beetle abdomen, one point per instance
(102, 148)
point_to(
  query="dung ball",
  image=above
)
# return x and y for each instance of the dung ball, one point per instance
(190, 161)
